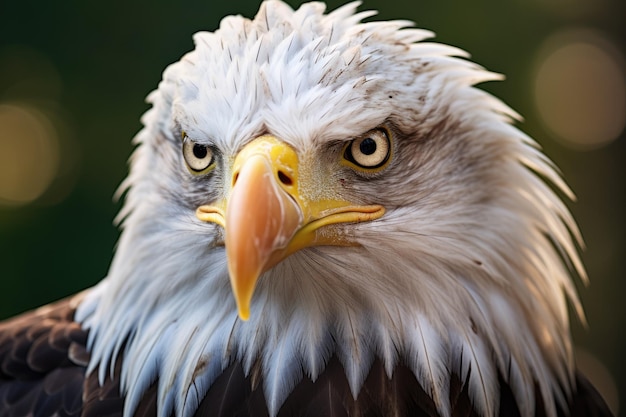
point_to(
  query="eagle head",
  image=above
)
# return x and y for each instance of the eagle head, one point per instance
(309, 186)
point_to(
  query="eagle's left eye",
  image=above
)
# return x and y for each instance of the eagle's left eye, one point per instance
(369, 151)
(199, 158)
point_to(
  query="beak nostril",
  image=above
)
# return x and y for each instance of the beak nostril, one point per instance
(284, 178)
(235, 178)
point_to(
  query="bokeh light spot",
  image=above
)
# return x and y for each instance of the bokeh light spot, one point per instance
(580, 89)
(29, 154)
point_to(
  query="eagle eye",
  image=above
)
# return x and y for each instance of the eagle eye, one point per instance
(370, 151)
(199, 158)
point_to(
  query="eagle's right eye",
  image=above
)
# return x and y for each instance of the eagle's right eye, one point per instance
(199, 158)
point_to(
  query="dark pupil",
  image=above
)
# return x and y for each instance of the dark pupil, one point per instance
(199, 151)
(367, 146)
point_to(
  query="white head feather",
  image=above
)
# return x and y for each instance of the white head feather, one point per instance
(468, 269)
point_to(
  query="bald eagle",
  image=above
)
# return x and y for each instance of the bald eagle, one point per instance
(323, 217)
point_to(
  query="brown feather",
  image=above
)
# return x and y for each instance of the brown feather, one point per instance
(37, 376)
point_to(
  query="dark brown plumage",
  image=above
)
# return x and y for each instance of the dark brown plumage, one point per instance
(42, 363)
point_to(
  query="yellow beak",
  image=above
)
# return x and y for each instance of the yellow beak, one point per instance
(267, 216)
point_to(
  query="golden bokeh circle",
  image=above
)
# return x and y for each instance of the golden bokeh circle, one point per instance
(580, 89)
(29, 153)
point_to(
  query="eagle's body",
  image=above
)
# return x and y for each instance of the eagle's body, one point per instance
(387, 234)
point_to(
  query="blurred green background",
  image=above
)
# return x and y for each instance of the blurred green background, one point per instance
(73, 76)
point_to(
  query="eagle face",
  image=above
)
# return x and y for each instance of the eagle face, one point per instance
(308, 186)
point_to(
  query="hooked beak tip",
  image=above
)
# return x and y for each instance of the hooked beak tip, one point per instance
(244, 313)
